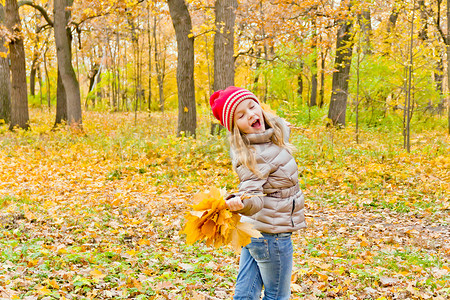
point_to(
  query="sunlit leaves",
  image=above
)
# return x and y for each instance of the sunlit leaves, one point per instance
(211, 221)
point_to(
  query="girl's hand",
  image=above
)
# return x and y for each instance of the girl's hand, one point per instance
(235, 203)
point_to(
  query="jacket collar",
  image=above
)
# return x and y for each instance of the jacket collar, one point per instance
(260, 138)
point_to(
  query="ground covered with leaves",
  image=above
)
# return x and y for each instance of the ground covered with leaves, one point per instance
(98, 214)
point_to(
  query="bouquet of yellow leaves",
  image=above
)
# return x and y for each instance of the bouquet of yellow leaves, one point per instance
(210, 220)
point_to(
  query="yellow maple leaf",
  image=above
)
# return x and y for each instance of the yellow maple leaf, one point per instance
(209, 228)
(192, 230)
(97, 274)
(53, 284)
(242, 234)
(211, 221)
(29, 215)
(267, 108)
(32, 262)
(44, 291)
(223, 215)
(209, 199)
(144, 241)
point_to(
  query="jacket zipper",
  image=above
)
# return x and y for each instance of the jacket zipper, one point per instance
(292, 212)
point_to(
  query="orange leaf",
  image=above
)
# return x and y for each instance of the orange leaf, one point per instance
(44, 291)
(242, 235)
(53, 284)
(208, 228)
(97, 274)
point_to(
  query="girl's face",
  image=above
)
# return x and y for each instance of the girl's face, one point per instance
(248, 117)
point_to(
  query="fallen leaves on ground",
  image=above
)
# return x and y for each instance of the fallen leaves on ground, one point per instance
(98, 215)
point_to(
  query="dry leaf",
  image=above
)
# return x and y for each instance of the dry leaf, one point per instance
(211, 221)
(97, 274)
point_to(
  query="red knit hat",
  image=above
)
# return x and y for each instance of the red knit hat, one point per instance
(224, 103)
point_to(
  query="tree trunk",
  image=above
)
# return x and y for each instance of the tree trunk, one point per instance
(98, 93)
(149, 36)
(393, 20)
(136, 56)
(117, 71)
(423, 33)
(358, 67)
(61, 102)
(92, 75)
(365, 22)
(5, 81)
(439, 80)
(108, 50)
(409, 89)
(448, 62)
(33, 75)
(208, 66)
(390, 28)
(300, 82)
(313, 96)
(64, 55)
(225, 13)
(19, 100)
(158, 67)
(257, 70)
(35, 62)
(47, 80)
(322, 78)
(225, 17)
(187, 117)
(339, 94)
(125, 81)
(39, 76)
(439, 70)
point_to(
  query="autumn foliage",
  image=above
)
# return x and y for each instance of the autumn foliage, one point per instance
(213, 222)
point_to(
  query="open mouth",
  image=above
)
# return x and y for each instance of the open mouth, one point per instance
(256, 124)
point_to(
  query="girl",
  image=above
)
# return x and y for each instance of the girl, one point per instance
(261, 156)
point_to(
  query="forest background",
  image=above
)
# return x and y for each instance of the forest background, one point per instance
(106, 134)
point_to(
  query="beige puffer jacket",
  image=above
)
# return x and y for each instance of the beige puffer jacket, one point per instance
(282, 209)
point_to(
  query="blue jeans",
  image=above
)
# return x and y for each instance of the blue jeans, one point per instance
(266, 261)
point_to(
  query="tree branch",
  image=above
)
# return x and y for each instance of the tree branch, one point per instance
(39, 8)
(41, 28)
(203, 33)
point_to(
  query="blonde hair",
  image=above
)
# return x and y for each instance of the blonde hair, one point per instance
(244, 151)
